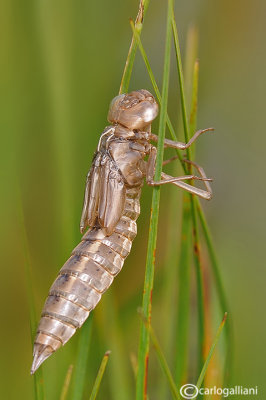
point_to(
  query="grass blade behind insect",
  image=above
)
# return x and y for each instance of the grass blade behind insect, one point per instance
(118, 374)
(99, 376)
(141, 390)
(221, 294)
(143, 5)
(164, 365)
(38, 376)
(214, 262)
(82, 360)
(209, 356)
(154, 84)
(183, 307)
(161, 358)
(194, 101)
(206, 232)
(196, 248)
(191, 84)
(66, 384)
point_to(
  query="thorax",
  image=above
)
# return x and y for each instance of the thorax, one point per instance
(128, 150)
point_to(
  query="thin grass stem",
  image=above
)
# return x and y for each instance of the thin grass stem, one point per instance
(117, 371)
(191, 54)
(143, 5)
(155, 86)
(195, 230)
(194, 104)
(161, 358)
(209, 356)
(221, 293)
(66, 384)
(38, 376)
(99, 376)
(214, 262)
(82, 360)
(200, 288)
(194, 101)
(141, 388)
(204, 225)
(183, 304)
(181, 82)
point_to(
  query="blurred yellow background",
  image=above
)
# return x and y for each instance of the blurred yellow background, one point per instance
(61, 64)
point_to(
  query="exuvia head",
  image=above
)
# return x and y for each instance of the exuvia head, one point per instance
(134, 110)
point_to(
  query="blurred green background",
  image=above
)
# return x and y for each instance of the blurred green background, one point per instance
(61, 64)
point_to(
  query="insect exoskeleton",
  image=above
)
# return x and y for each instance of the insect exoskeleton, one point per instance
(110, 210)
(111, 207)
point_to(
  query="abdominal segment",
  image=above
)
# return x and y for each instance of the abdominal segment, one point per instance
(85, 276)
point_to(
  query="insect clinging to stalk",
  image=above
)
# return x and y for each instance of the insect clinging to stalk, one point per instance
(111, 208)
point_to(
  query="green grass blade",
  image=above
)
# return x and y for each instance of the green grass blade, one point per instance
(196, 208)
(221, 293)
(183, 305)
(143, 5)
(38, 376)
(113, 337)
(209, 356)
(181, 81)
(191, 55)
(200, 288)
(65, 388)
(204, 225)
(161, 358)
(98, 379)
(194, 104)
(193, 40)
(194, 101)
(211, 251)
(196, 246)
(183, 308)
(82, 360)
(141, 390)
(154, 84)
(207, 236)
(195, 230)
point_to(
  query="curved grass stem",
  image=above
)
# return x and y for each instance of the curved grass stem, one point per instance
(143, 5)
(155, 86)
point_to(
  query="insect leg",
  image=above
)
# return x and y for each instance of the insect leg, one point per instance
(202, 174)
(165, 162)
(181, 145)
(205, 194)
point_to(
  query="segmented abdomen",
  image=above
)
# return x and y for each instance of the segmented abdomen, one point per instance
(86, 275)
